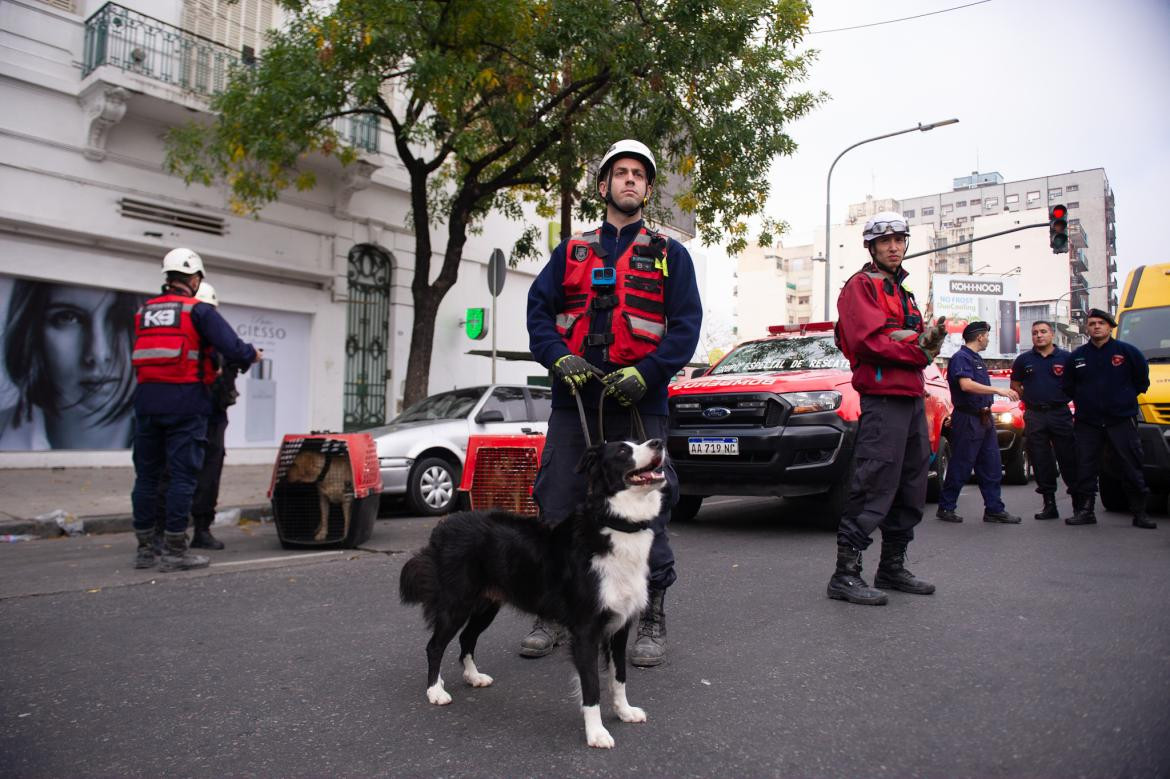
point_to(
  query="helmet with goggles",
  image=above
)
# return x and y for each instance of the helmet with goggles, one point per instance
(885, 223)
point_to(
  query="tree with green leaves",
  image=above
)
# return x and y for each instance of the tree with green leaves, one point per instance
(493, 104)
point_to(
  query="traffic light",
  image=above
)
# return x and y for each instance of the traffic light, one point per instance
(1058, 229)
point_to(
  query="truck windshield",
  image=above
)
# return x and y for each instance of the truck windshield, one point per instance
(1149, 330)
(783, 354)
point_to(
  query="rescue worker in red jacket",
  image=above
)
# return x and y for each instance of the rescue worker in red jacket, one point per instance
(880, 330)
(619, 302)
(173, 338)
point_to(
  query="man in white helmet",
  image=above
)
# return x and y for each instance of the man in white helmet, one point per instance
(880, 329)
(618, 303)
(173, 341)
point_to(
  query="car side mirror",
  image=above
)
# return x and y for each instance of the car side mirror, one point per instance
(490, 415)
(697, 372)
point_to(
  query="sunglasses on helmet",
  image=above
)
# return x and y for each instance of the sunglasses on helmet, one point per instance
(885, 228)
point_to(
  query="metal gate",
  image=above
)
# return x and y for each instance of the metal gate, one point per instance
(367, 341)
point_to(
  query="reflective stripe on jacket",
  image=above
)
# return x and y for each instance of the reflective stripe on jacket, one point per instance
(637, 305)
(167, 347)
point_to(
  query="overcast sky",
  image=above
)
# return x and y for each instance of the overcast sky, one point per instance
(1038, 87)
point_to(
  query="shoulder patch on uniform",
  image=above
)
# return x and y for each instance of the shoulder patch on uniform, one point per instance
(580, 253)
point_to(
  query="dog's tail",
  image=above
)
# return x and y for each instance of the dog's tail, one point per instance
(419, 581)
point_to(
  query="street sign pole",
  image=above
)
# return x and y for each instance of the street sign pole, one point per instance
(497, 272)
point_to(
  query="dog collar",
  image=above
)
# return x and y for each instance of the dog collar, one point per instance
(624, 526)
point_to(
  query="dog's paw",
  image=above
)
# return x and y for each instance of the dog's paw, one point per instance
(319, 535)
(631, 714)
(599, 738)
(476, 679)
(438, 696)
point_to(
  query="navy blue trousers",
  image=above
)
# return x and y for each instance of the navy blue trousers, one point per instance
(162, 440)
(1048, 437)
(559, 488)
(974, 446)
(1120, 438)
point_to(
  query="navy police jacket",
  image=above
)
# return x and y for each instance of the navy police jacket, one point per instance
(1104, 381)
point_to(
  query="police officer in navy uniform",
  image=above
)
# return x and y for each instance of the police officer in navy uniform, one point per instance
(974, 440)
(881, 331)
(1038, 376)
(174, 336)
(620, 302)
(1104, 378)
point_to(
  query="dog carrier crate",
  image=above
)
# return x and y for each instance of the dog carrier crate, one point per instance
(325, 490)
(500, 471)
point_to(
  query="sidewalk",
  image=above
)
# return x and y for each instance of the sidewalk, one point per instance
(100, 497)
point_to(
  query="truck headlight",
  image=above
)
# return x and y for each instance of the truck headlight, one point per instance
(808, 402)
(1004, 417)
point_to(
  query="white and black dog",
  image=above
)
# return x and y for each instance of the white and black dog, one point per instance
(588, 574)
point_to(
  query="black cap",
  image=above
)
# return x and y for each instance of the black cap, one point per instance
(972, 330)
(1099, 314)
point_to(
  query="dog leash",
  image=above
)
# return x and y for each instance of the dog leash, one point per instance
(635, 417)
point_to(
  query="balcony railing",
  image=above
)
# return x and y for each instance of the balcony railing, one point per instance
(136, 43)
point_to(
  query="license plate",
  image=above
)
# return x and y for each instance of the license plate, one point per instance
(713, 445)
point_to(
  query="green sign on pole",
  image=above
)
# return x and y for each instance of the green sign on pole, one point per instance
(476, 324)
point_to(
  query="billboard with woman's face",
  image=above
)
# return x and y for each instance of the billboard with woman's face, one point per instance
(66, 382)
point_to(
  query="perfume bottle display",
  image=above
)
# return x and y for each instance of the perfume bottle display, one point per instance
(260, 399)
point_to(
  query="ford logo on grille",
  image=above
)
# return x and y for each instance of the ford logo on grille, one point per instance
(716, 412)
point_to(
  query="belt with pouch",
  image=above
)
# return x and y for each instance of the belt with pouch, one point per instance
(984, 414)
(1045, 406)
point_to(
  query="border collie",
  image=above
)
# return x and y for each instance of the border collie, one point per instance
(588, 574)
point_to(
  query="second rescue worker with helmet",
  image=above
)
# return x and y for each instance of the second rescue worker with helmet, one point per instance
(620, 302)
(174, 334)
(880, 330)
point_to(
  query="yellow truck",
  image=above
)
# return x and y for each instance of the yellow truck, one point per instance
(1143, 319)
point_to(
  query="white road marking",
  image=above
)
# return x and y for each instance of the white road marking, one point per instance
(282, 557)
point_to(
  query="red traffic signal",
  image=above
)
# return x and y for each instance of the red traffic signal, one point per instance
(1058, 229)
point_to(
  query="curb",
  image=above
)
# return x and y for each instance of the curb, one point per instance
(110, 523)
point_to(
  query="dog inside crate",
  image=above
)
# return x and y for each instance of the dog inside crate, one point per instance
(325, 465)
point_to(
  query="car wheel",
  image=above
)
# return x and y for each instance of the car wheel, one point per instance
(1015, 468)
(938, 471)
(432, 486)
(686, 508)
(1112, 493)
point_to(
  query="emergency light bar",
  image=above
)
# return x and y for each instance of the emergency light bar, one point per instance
(808, 327)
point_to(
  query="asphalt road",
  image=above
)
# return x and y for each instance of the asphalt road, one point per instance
(1045, 652)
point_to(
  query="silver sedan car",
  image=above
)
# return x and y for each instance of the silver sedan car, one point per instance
(421, 452)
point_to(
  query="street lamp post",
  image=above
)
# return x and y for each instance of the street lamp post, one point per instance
(829, 179)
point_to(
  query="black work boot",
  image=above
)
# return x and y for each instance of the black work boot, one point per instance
(847, 583)
(1050, 511)
(650, 646)
(1140, 519)
(202, 538)
(1084, 512)
(543, 639)
(947, 515)
(145, 558)
(892, 573)
(1003, 517)
(177, 558)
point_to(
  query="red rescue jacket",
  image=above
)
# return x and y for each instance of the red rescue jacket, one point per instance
(637, 305)
(167, 347)
(878, 324)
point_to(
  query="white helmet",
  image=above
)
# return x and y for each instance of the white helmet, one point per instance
(628, 148)
(206, 294)
(182, 261)
(885, 223)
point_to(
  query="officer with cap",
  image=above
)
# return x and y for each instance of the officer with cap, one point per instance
(1104, 378)
(621, 303)
(174, 334)
(974, 442)
(1038, 376)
